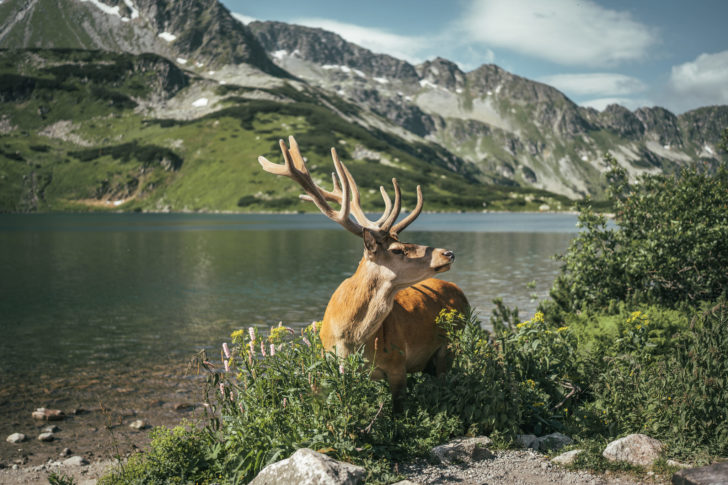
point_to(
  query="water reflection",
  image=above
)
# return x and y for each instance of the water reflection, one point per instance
(97, 290)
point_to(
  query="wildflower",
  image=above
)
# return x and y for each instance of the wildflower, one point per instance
(237, 335)
(227, 365)
(262, 349)
(277, 333)
(222, 388)
(285, 401)
(251, 332)
(562, 329)
(538, 317)
(531, 382)
(305, 341)
(226, 350)
(523, 324)
(272, 350)
(341, 368)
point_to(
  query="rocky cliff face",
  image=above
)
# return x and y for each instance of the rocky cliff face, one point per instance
(197, 33)
(515, 130)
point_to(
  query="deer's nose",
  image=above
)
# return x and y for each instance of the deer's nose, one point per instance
(449, 254)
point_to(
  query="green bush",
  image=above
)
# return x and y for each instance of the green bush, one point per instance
(669, 244)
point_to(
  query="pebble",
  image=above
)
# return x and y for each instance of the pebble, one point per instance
(139, 424)
(66, 452)
(46, 437)
(51, 429)
(75, 461)
(48, 414)
(16, 438)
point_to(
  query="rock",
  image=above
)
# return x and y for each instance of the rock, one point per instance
(526, 439)
(51, 429)
(463, 450)
(566, 458)
(677, 464)
(637, 449)
(66, 452)
(716, 474)
(306, 466)
(75, 461)
(46, 437)
(552, 441)
(182, 407)
(16, 438)
(407, 482)
(139, 424)
(48, 414)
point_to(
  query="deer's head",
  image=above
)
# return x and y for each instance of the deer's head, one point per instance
(402, 264)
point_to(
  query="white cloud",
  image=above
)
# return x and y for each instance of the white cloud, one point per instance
(701, 82)
(244, 19)
(563, 31)
(376, 40)
(597, 83)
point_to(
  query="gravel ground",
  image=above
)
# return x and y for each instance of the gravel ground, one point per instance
(508, 468)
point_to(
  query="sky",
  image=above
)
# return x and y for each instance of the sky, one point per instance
(635, 53)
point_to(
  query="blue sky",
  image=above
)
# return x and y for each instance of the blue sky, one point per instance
(633, 52)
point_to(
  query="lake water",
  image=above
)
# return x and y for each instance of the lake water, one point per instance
(100, 290)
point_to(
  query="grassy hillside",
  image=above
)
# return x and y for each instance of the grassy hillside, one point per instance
(78, 135)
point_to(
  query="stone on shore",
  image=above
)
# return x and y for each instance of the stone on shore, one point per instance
(306, 466)
(46, 437)
(553, 441)
(138, 424)
(75, 461)
(16, 438)
(526, 439)
(716, 474)
(463, 450)
(44, 414)
(566, 458)
(636, 449)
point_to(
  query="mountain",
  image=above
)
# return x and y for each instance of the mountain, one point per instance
(200, 34)
(513, 129)
(159, 105)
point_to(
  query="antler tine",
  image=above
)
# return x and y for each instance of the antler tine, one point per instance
(412, 215)
(387, 224)
(387, 206)
(295, 169)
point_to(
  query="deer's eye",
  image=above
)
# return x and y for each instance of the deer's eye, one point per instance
(397, 251)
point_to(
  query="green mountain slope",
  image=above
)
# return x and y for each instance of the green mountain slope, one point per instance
(85, 130)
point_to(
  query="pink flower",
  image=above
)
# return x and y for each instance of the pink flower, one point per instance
(262, 349)
(226, 350)
(341, 368)
(222, 388)
(251, 332)
(227, 365)
(285, 401)
(305, 341)
(272, 350)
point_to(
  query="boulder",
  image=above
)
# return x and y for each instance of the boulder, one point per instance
(636, 449)
(306, 466)
(75, 461)
(16, 438)
(44, 414)
(566, 458)
(526, 440)
(716, 474)
(464, 450)
(553, 441)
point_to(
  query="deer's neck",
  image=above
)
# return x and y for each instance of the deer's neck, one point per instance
(358, 307)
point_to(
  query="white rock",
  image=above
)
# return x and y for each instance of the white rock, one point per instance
(51, 429)
(16, 438)
(309, 467)
(75, 461)
(637, 449)
(566, 458)
(46, 437)
(138, 424)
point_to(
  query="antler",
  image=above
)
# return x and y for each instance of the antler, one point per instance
(347, 197)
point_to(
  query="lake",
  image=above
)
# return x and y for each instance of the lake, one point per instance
(102, 290)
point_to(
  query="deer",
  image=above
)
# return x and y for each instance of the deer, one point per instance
(390, 305)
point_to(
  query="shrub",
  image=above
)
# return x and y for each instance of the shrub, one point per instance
(669, 244)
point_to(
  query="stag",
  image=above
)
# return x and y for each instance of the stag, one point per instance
(390, 304)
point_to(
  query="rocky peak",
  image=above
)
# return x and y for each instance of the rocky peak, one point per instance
(619, 119)
(660, 124)
(442, 72)
(327, 48)
(704, 125)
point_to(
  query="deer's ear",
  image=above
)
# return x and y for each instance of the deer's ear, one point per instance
(370, 242)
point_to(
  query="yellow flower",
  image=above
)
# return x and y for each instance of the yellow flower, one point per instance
(531, 382)
(276, 334)
(562, 329)
(237, 336)
(523, 324)
(538, 317)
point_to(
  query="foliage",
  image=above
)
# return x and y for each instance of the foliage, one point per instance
(174, 456)
(60, 479)
(669, 244)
